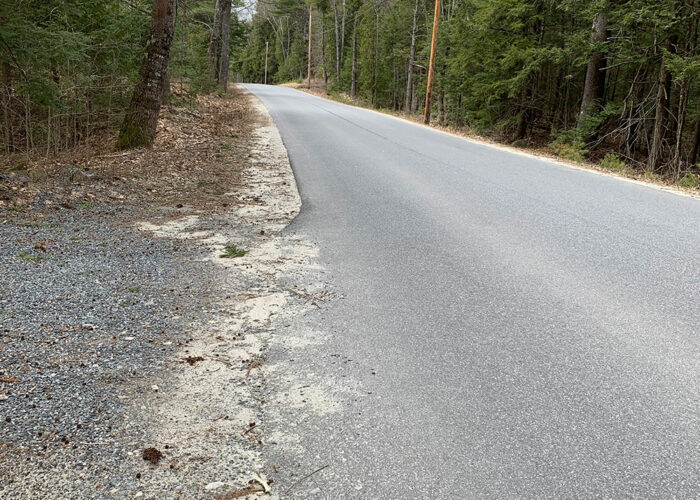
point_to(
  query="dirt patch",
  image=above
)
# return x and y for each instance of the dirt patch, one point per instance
(153, 455)
(192, 360)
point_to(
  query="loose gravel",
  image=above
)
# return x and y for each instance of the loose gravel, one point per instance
(131, 353)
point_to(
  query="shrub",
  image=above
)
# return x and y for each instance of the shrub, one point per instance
(570, 151)
(689, 181)
(569, 144)
(612, 162)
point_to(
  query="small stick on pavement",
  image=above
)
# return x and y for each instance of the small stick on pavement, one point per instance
(252, 426)
(305, 477)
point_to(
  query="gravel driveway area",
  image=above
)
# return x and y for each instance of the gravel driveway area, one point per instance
(132, 350)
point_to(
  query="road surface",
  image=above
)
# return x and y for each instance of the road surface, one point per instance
(508, 327)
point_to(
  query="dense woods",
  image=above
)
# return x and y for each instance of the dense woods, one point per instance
(610, 81)
(69, 69)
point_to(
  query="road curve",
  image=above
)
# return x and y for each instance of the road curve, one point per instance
(511, 327)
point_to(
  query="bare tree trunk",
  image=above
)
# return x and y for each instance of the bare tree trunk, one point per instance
(6, 72)
(141, 119)
(225, 40)
(337, 39)
(696, 144)
(411, 61)
(214, 51)
(353, 73)
(594, 87)
(308, 71)
(661, 116)
(342, 36)
(680, 127)
(323, 47)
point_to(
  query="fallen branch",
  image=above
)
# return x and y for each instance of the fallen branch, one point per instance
(305, 477)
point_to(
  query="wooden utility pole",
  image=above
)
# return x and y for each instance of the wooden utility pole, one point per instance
(309, 68)
(431, 67)
(267, 46)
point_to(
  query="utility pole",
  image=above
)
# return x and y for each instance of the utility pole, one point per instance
(431, 67)
(309, 68)
(267, 45)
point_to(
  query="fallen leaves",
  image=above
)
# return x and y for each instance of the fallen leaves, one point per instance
(204, 148)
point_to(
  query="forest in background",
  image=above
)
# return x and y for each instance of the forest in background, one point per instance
(615, 82)
(68, 68)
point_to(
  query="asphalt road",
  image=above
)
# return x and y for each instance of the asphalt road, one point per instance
(509, 327)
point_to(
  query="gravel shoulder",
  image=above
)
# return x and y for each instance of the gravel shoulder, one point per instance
(132, 354)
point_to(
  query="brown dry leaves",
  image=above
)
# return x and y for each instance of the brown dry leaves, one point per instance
(200, 149)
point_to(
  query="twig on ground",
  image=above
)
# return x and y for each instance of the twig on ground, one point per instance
(303, 478)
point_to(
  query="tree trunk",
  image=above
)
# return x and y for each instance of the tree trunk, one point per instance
(225, 40)
(6, 72)
(165, 94)
(696, 144)
(353, 73)
(342, 36)
(337, 39)
(308, 70)
(441, 106)
(411, 61)
(323, 47)
(680, 125)
(141, 119)
(594, 87)
(214, 52)
(661, 115)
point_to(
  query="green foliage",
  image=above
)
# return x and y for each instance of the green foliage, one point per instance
(31, 257)
(573, 151)
(569, 145)
(514, 69)
(231, 251)
(613, 162)
(69, 58)
(68, 67)
(690, 181)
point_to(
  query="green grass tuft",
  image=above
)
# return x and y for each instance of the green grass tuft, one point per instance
(231, 251)
(31, 257)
